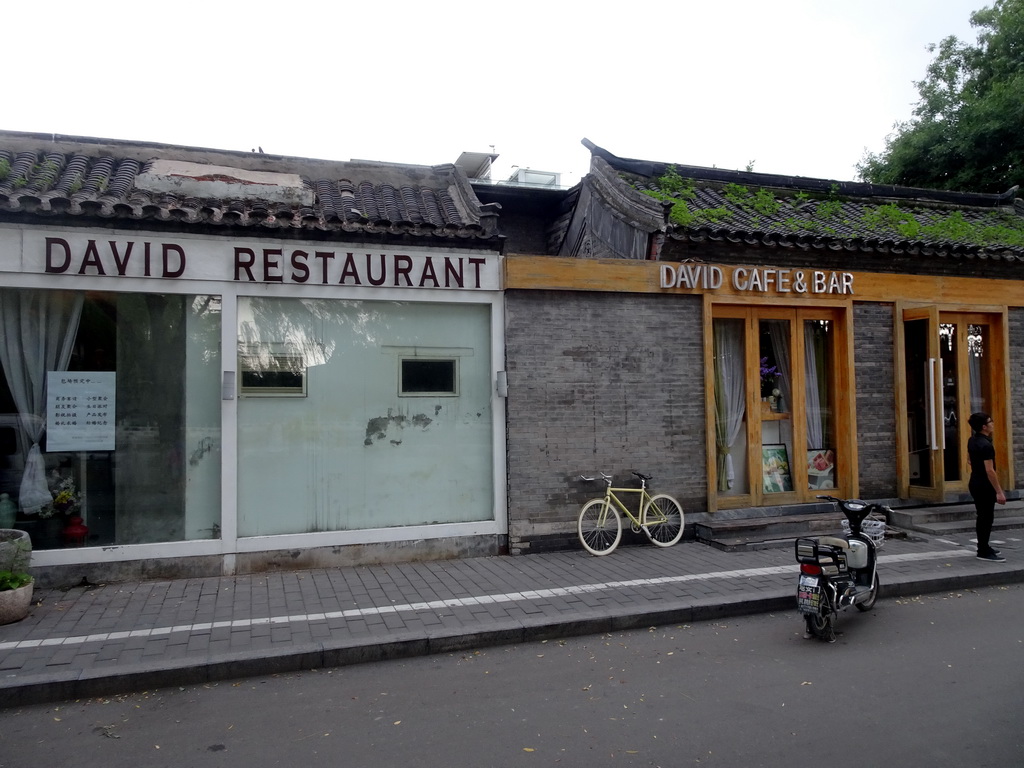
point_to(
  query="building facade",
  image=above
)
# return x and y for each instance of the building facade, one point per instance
(218, 362)
(754, 341)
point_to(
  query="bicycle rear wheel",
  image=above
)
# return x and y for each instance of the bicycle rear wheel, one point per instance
(662, 520)
(599, 527)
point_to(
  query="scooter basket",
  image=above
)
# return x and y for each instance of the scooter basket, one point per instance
(872, 529)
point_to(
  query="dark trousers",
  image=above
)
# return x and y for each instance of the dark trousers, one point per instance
(985, 504)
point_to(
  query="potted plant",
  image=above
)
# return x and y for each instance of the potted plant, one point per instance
(15, 582)
(15, 596)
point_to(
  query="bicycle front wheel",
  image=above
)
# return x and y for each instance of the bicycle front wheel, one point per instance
(599, 527)
(662, 520)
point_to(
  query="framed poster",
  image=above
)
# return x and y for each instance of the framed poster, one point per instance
(80, 411)
(775, 474)
(821, 468)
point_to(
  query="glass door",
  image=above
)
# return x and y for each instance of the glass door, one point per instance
(949, 372)
(966, 354)
(922, 385)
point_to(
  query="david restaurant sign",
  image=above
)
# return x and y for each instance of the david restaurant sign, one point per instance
(189, 258)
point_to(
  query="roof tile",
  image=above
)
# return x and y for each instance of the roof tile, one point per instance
(369, 198)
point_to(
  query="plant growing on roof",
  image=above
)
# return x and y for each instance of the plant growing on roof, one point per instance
(674, 189)
(999, 228)
(48, 172)
(760, 200)
(671, 183)
(5, 168)
(736, 194)
(828, 209)
(891, 217)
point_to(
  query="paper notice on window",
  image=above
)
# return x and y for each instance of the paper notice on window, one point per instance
(79, 411)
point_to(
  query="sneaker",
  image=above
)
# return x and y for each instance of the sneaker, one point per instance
(993, 557)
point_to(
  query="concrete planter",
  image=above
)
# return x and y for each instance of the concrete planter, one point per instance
(14, 603)
(15, 550)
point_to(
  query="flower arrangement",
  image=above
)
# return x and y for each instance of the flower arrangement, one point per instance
(768, 375)
(66, 499)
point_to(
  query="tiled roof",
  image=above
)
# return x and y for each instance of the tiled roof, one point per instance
(805, 213)
(44, 176)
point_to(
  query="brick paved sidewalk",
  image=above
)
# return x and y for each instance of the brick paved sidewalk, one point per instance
(99, 640)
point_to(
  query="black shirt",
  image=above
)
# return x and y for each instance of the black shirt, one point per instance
(980, 449)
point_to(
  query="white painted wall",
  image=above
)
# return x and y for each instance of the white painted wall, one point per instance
(353, 454)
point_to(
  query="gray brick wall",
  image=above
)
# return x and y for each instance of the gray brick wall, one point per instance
(599, 382)
(1016, 334)
(876, 399)
(614, 382)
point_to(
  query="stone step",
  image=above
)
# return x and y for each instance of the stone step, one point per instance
(967, 525)
(781, 524)
(766, 532)
(921, 518)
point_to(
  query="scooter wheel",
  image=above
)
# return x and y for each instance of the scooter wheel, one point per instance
(868, 604)
(821, 626)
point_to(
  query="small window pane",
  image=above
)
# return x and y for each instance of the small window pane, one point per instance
(270, 375)
(428, 377)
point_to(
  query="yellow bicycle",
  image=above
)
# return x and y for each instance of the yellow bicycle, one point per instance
(600, 522)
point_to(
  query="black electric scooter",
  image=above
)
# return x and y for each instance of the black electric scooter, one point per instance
(836, 573)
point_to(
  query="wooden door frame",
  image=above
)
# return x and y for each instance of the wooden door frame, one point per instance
(997, 318)
(841, 365)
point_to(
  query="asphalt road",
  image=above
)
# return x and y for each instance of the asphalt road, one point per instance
(932, 681)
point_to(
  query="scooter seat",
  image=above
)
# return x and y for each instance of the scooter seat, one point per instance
(832, 541)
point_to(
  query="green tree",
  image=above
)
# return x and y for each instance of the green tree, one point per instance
(967, 132)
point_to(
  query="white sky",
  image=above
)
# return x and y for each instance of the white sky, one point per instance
(800, 87)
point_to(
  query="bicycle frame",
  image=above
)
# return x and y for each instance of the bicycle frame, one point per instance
(609, 497)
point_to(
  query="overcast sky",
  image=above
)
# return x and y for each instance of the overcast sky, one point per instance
(800, 87)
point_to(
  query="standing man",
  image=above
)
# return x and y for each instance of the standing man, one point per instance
(984, 482)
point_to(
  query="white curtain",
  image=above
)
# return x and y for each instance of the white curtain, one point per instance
(779, 333)
(730, 396)
(814, 350)
(39, 329)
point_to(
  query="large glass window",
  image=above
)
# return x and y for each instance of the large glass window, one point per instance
(110, 416)
(395, 425)
(819, 389)
(776, 377)
(775, 388)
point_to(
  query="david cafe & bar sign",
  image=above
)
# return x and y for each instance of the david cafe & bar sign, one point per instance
(711, 277)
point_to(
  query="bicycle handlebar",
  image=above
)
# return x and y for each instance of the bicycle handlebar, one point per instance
(608, 478)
